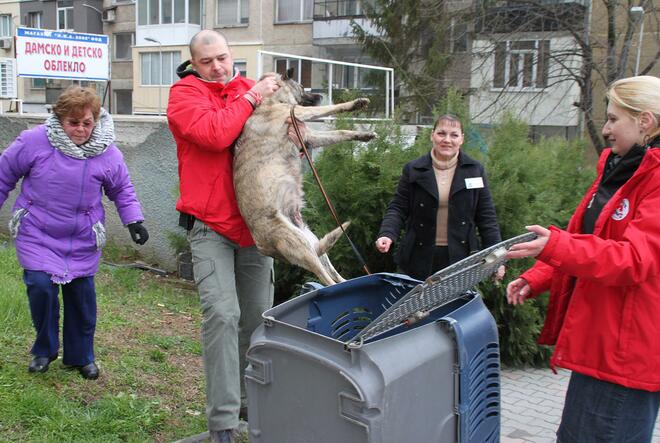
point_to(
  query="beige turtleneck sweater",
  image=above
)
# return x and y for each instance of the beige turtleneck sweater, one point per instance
(444, 174)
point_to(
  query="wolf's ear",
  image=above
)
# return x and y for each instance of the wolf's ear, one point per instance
(288, 75)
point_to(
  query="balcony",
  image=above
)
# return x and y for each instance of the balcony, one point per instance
(168, 22)
(332, 20)
(531, 16)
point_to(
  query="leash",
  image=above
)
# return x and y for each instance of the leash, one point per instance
(303, 143)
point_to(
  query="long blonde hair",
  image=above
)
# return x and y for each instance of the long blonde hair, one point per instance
(637, 94)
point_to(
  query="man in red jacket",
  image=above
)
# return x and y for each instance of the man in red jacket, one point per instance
(206, 112)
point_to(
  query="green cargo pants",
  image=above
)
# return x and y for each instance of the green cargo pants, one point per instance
(235, 287)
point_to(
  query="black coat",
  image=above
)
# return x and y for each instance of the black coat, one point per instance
(415, 207)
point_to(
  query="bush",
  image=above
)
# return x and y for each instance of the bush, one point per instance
(531, 184)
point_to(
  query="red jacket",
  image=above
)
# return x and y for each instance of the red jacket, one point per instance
(604, 309)
(206, 119)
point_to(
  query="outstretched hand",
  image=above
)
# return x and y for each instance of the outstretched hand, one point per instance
(530, 248)
(518, 291)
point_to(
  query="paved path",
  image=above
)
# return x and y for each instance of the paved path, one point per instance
(532, 401)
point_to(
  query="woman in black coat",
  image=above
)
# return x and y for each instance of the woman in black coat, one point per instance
(442, 200)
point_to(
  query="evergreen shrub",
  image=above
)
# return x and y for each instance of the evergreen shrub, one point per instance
(537, 183)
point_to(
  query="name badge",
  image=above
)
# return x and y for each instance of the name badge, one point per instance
(474, 183)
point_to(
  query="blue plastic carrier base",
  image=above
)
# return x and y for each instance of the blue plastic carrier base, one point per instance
(434, 380)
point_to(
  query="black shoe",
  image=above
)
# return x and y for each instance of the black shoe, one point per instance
(89, 372)
(40, 364)
(243, 413)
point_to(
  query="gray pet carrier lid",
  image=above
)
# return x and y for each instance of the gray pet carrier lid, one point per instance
(441, 288)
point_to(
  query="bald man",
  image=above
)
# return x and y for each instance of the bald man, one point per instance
(206, 112)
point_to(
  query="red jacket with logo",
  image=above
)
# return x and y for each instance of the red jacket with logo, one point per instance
(206, 118)
(604, 309)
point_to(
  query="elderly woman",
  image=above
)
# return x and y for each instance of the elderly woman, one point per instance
(57, 223)
(442, 201)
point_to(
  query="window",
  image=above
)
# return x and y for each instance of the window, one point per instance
(302, 69)
(166, 16)
(7, 78)
(459, 36)
(5, 26)
(37, 83)
(65, 14)
(233, 12)
(123, 101)
(123, 44)
(179, 11)
(294, 10)
(241, 65)
(156, 12)
(34, 20)
(157, 71)
(325, 9)
(195, 12)
(521, 64)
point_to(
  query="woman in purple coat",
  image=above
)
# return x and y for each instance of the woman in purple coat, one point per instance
(58, 221)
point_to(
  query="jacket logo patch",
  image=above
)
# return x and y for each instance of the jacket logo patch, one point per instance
(622, 211)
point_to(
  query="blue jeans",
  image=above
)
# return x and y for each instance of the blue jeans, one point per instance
(603, 412)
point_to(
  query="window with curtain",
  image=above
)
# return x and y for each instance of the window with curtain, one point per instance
(241, 65)
(521, 64)
(157, 70)
(158, 12)
(34, 20)
(232, 12)
(302, 69)
(65, 14)
(5, 26)
(294, 11)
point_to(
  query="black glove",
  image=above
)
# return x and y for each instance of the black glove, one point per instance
(138, 232)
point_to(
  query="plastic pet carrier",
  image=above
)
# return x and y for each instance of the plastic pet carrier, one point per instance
(380, 358)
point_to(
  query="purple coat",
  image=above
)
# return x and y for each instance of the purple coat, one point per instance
(61, 216)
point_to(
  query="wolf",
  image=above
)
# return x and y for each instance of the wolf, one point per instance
(268, 177)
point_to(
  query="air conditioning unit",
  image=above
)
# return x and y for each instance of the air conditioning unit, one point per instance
(110, 15)
(5, 43)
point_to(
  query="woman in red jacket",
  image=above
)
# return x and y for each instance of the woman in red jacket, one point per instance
(603, 273)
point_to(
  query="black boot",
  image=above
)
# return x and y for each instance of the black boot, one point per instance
(89, 372)
(40, 364)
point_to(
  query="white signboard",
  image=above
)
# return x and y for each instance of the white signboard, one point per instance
(58, 54)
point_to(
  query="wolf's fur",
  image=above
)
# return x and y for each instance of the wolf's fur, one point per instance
(268, 178)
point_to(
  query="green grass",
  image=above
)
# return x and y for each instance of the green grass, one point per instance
(151, 386)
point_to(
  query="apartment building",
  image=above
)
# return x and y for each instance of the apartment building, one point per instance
(524, 62)
(9, 16)
(294, 27)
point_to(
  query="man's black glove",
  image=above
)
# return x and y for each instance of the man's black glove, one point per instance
(138, 232)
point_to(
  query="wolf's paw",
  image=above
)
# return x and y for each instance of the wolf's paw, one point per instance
(360, 103)
(366, 136)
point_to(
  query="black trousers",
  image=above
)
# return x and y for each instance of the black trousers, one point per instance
(440, 258)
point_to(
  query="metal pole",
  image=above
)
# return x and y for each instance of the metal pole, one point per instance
(160, 84)
(638, 13)
(639, 45)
